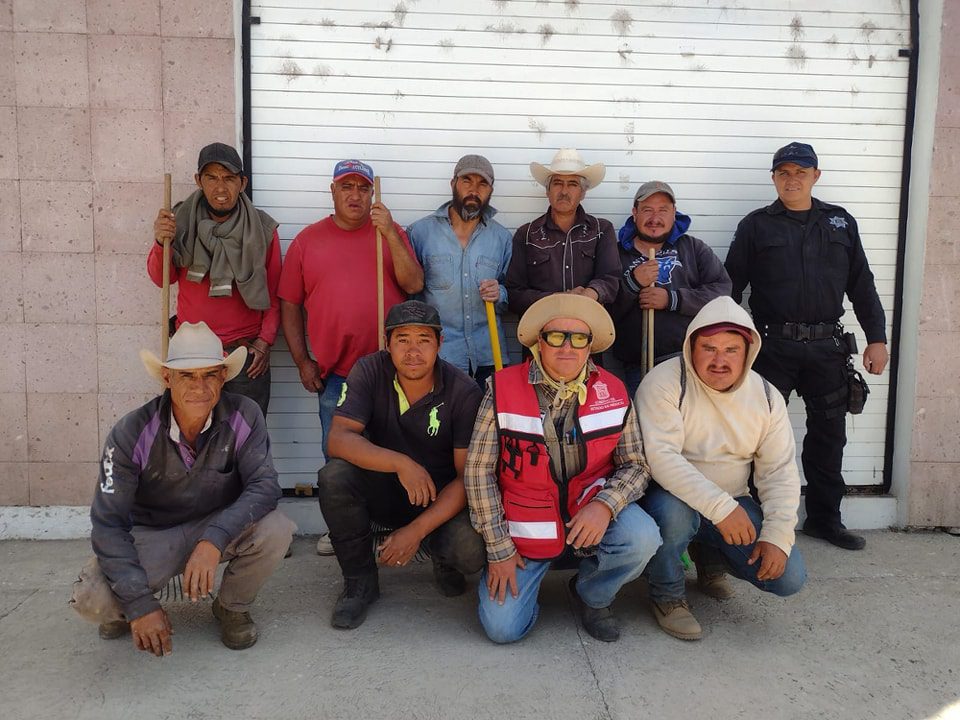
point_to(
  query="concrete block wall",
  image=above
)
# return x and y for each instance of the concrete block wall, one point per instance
(98, 98)
(934, 494)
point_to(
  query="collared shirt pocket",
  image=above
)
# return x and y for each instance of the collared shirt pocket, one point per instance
(438, 272)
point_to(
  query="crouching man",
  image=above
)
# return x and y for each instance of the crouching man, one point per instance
(707, 419)
(186, 483)
(398, 445)
(555, 467)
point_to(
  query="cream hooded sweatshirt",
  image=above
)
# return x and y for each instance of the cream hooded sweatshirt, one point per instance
(702, 451)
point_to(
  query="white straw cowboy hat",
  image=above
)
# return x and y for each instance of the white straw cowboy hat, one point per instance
(194, 346)
(567, 161)
(567, 305)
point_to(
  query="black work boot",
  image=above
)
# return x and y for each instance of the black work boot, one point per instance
(449, 581)
(358, 594)
(835, 535)
(237, 629)
(599, 622)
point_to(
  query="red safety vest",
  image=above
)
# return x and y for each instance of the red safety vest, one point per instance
(537, 504)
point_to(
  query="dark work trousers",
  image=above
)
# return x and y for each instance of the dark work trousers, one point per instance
(257, 389)
(350, 497)
(817, 370)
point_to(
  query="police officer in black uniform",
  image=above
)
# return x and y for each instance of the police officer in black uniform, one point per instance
(799, 256)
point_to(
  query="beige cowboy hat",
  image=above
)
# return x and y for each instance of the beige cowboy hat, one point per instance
(567, 161)
(567, 305)
(194, 346)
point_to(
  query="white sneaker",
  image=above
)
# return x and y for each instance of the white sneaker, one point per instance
(324, 546)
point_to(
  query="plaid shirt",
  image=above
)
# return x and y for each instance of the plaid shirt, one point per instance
(624, 486)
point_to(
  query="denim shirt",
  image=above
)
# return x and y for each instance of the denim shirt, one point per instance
(451, 282)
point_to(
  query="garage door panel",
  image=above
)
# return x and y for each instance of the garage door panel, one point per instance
(698, 95)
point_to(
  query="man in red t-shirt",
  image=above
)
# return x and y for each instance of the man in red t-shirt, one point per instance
(226, 259)
(330, 271)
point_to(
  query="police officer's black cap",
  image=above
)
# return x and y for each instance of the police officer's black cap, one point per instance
(222, 154)
(412, 312)
(796, 152)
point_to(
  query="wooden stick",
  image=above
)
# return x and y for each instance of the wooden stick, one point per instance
(494, 335)
(381, 341)
(650, 354)
(165, 288)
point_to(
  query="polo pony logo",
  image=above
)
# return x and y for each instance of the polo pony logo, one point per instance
(603, 393)
(434, 425)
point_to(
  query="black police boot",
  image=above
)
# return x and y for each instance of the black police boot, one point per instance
(599, 622)
(835, 535)
(358, 594)
(449, 581)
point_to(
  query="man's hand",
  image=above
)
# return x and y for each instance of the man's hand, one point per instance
(654, 298)
(164, 227)
(201, 569)
(399, 547)
(646, 273)
(417, 482)
(737, 529)
(502, 575)
(773, 560)
(151, 632)
(310, 375)
(489, 290)
(382, 219)
(586, 292)
(261, 358)
(875, 357)
(588, 526)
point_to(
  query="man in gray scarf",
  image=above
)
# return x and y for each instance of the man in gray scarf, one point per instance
(226, 257)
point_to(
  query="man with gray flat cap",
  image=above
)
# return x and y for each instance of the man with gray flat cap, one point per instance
(464, 253)
(684, 277)
(226, 263)
(565, 249)
(801, 256)
(186, 483)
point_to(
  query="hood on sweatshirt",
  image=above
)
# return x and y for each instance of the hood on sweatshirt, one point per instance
(721, 310)
(628, 232)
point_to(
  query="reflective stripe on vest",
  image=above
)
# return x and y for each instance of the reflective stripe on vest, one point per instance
(532, 530)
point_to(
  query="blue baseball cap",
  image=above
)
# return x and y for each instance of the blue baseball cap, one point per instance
(796, 152)
(353, 167)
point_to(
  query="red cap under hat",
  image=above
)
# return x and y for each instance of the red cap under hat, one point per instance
(716, 328)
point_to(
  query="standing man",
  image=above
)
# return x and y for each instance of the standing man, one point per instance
(564, 250)
(800, 256)
(331, 272)
(399, 444)
(186, 483)
(555, 467)
(465, 253)
(684, 277)
(709, 423)
(226, 258)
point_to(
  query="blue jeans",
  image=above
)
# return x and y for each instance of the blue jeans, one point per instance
(626, 547)
(680, 525)
(332, 388)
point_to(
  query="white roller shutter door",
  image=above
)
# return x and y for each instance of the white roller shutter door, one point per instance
(694, 94)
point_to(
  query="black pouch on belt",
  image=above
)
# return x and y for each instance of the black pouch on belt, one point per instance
(858, 390)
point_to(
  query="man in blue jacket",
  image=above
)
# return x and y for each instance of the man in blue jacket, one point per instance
(684, 277)
(186, 482)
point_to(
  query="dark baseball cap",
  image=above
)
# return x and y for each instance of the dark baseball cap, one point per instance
(353, 167)
(474, 165)
(796, 152)
(222, 154)
(412, 312)
(721, 327)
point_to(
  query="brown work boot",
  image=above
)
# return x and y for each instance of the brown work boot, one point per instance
(114, 630)
(237, 629)
(675, 618)
(715, 584)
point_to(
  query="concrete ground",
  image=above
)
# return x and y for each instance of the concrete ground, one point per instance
(875, 634)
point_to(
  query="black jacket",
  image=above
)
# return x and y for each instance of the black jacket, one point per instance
(145, 481)
(799, 272)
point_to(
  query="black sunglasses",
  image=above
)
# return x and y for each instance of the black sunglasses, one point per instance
(556, 338)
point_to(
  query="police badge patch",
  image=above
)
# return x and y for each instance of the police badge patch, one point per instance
(837, 222)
